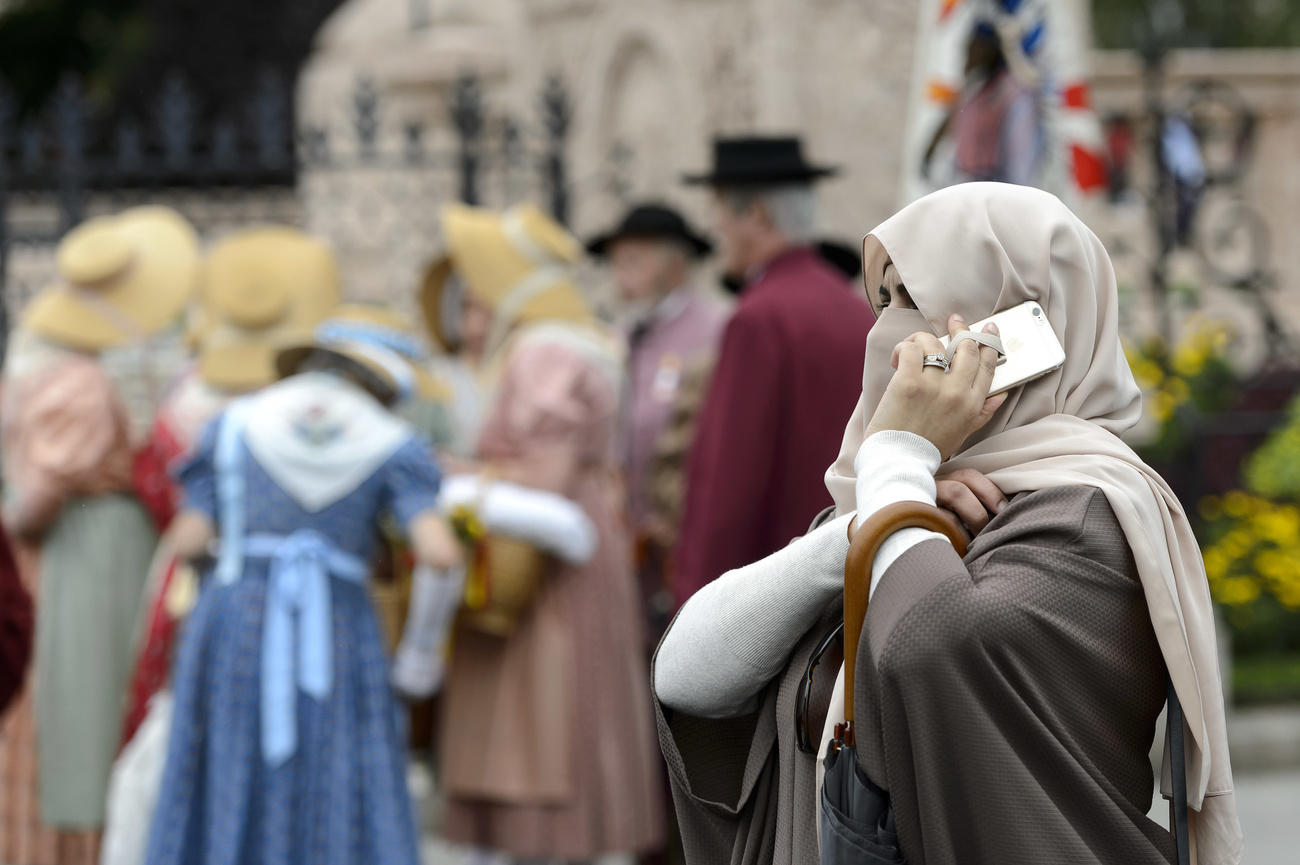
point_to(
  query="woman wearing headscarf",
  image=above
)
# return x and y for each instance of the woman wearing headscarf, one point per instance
(285, 744)
(84, 540)
(1006, 700)
(547, 749)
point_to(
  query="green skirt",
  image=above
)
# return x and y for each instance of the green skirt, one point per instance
(94, 561)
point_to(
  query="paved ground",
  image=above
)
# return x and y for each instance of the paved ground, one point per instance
(1270, 818)
(1270, 815)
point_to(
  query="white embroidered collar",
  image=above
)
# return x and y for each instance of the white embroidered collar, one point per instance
(320, 437)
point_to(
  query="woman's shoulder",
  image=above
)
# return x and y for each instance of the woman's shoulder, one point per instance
(1073, 520)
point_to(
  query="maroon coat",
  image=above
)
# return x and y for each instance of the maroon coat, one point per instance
(16, 623)
(788, 376)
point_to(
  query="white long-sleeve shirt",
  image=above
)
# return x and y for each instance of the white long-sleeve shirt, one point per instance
(735, 634)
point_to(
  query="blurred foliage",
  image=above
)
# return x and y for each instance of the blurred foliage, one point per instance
(121, 49)
(42, 41)
(1183, 384)
(1266, 680)
(1198, 23)
(1251, 543)
(1274, 469)
(1251, 546)
(1249, 537)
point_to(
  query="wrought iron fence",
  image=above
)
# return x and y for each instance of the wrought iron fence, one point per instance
(229, 165)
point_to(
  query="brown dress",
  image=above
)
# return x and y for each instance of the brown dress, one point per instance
(548, 746)
(1007, 702)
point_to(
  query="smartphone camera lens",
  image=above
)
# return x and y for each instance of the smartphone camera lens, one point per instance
(1037, 311)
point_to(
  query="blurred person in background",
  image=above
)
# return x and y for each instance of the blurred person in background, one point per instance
(85, 540)
(777, 394)
(257, 287)
(670, 328)
(996, 124)
(461, 335)
(547, 745)
(286, 744)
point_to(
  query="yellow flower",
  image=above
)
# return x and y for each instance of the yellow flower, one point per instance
(1163, 406)
(1178, 389)
(1281, 525)
(1216, 564)
(1147, 372)
(1189, 360)
(1235, 591)
(1236, 504)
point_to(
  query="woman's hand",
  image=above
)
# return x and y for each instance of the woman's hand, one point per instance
(943, 407)
(971, 497)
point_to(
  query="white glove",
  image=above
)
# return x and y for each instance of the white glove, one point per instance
(420, 662)
(542, 519)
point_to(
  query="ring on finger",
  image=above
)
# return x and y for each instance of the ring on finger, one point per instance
(939, 361)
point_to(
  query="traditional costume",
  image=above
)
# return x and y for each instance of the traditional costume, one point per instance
(85, 541)
(286, 744)
(257, 287)
(778, 394)
(676, 336)
(547, 747)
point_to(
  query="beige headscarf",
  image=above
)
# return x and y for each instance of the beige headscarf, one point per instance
(979, 248)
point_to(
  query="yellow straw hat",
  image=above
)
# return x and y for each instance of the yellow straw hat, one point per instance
(121, 278)
(259, 288)
(380, 340)
(517, 263)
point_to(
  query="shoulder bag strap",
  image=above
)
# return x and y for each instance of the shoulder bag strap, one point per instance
(1178, 776)
(857, 570)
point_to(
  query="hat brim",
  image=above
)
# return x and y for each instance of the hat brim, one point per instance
(699, 247)
(238, 367)
(761, 178)
(432, 285)
(289, 359)
(150, 298)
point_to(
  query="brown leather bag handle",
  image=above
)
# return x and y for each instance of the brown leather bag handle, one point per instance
(857, 573)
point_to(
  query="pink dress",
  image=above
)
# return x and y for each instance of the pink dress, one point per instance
(548, 747)
(67, 459)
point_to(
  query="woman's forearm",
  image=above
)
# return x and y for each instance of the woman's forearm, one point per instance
(735, 634)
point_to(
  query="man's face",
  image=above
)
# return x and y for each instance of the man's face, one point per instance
(737, 234)
(644, 269)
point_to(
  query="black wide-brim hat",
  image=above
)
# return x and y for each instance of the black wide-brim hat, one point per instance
(652, 221)
(759, 161)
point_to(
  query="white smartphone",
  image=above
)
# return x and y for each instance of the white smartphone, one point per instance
(1031, 345)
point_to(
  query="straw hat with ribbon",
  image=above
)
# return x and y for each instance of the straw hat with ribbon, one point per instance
(121, 278)
(260, 288)
(379, 340)
(517, 262)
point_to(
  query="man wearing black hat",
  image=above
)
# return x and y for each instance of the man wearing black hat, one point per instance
(789, 370)
(673, 330)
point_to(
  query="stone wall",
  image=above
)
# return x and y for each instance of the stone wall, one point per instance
(651, 82)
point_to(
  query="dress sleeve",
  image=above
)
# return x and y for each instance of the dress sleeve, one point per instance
(411, 481)
(550, 417)
(73, 442)
(197, 474)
